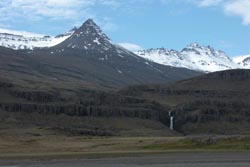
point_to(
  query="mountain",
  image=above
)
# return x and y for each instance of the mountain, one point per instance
(243, 61)
(89, 57)
(216, 103)
(88, 37)
(194, 56)
(72, 87)
(22, 40)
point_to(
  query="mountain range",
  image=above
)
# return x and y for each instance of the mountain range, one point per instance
(196, 57)
(86, 57)
(193, 56)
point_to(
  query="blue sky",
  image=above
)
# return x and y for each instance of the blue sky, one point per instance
(223, 24)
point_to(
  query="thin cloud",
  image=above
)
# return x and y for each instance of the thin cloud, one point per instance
(130, 46)
(63, 9)
(206, 3)
(239, 8)
(74, 11)
(230, 7)
(45, 8)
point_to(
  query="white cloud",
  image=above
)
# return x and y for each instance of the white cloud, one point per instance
(62, 9)
(54, 9)
(239, 8)
(51, 9)
(68, 3)
(130, 46)
(75, 11)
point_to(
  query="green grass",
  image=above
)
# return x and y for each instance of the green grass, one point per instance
(230, 144)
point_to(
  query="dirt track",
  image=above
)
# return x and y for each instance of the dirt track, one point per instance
(235, 159)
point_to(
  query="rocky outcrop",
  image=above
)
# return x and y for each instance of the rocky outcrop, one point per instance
(37, 96)
(93, 104)
(204, 111)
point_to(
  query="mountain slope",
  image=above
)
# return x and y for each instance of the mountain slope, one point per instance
(79, 78)
(194, 56)
(243, 61)
(216, 103)
(89, 56)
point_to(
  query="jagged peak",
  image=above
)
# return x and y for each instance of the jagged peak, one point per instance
(194, 56)
(196, 46)
(193, 45)
(199, 49)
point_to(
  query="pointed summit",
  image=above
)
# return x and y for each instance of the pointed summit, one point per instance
(89, 22)
(87, 37)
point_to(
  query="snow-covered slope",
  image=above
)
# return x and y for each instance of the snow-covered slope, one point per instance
(243, 61)
(194, 56)
(25, 40)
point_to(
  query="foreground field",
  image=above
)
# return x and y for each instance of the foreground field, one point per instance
(46, 144)
(34, 136)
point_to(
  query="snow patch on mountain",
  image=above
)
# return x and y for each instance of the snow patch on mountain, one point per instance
(194, 57)
(243, 61)
(25, 40)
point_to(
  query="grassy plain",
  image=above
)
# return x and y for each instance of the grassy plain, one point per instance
(47, 144)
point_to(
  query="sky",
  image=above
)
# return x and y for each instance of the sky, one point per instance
(140, 24)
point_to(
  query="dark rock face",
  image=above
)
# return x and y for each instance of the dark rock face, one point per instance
(216, 103)
(36, 96)
(234, 75)
(147, 112)
(5, 85)
(82, 104)
(234, 114)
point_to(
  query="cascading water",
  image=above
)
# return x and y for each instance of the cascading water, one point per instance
(171, 126)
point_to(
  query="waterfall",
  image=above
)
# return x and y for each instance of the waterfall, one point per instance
(171, 123)
(171, 126)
